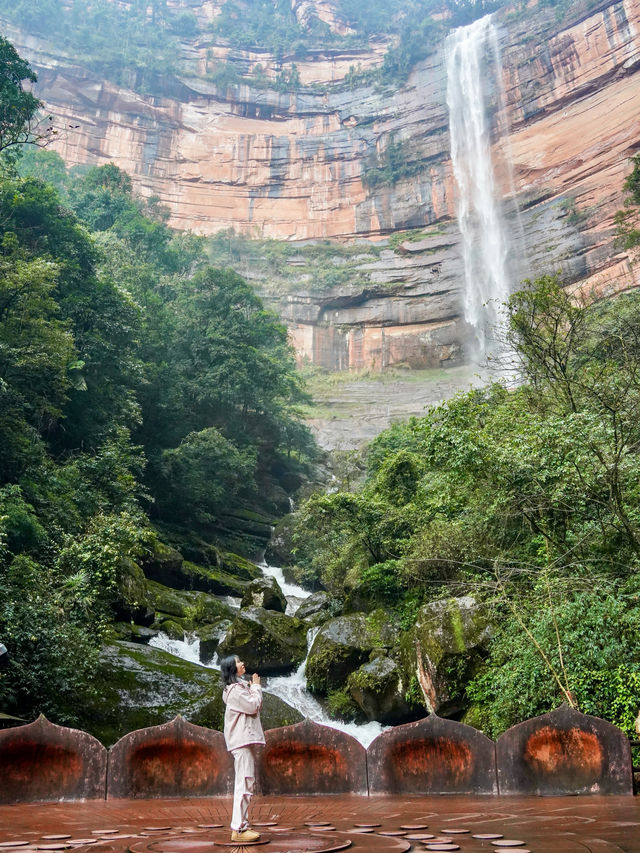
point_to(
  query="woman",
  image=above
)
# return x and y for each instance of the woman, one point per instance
(242, 731)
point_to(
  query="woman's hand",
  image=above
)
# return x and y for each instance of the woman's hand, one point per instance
(255, 678)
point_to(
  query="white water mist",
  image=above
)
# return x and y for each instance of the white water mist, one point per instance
(472, 55)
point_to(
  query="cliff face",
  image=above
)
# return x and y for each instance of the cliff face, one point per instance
(290, 166)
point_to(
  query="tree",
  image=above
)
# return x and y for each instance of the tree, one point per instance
(18, 106)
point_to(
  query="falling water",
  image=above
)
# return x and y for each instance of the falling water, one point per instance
(471, 52)
(291, 688)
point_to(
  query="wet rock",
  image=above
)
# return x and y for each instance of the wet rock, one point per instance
(344, 644)
(171, 628)
(319, 607)
(444, 650)
(139, 686)
(190, 608)
(133, 633)
(378, 689)
(268, 642)
(265, 592)
(278, 551)
(162, 563)
(167, 566)
(132, 600)
(210, 637)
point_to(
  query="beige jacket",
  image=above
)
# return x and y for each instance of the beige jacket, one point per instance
(242, 724)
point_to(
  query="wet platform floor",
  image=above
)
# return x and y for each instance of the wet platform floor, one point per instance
(542, 825)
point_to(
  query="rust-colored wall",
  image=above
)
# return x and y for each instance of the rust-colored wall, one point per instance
(42, 761)
(176, 759)
(564, 752)
(308, 758)
(432, 756)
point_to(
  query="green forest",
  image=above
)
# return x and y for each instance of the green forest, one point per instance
(143, 394)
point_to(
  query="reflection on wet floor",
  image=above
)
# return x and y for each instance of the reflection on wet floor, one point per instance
(323, 824)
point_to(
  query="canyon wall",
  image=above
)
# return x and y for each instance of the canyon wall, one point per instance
(290, 166)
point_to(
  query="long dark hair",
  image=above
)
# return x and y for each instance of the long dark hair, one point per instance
(229, 670)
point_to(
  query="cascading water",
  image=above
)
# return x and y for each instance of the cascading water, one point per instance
(471, 53)
(291, 688)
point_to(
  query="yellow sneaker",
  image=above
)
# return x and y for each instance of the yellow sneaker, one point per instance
(245, 835)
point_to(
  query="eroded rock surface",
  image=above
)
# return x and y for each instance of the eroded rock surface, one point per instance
(290, 165)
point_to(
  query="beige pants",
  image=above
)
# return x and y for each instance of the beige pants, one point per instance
(244, 765)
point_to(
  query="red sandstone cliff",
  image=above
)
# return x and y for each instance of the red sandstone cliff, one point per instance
(290, 166)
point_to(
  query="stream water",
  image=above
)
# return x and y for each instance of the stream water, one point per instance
(290, 688)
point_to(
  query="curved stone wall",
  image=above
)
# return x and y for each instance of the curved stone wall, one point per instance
(176, 759)
(432, 756)
(563, 752)
(42, 761)
(311, 759)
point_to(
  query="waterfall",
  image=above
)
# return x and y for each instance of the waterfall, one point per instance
(471, 52)
(293, 690)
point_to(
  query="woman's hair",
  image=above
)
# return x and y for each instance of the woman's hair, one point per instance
(229, 670)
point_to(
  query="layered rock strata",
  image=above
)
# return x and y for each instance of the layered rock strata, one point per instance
(293, 165)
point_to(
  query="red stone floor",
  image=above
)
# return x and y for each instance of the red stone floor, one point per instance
(542, 825)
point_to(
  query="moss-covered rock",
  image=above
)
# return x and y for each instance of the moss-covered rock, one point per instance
(211, 580)
(210, 637)
(162, 563)
(189, 607)
(268, 642)
(265, 592)
(172, 629)
(280, 546)
(229, 574)
(133, 633)
(444, 650)
(378, 689)
(132, 600)
(319, 607)
(197, 550)
(139, 686)
(343, 644)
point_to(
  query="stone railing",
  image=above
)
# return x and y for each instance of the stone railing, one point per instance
(563, 752)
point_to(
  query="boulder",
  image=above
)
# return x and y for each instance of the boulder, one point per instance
(171, 628)
(265, 592)
(343, 644)
(202, 553)
(210, 636)
(139, 686)
(168, 567)
(378, 689)
(188, 607)
(132, 632)
(279, 547)
(444, 649)
(162, 563)
(268, 642)
(132, 601)
(318, 607)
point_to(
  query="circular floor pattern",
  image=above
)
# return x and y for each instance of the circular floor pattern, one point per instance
(292, 841)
